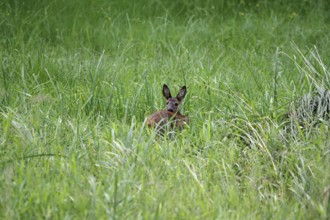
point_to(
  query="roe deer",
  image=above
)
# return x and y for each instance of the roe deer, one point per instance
(171, 116)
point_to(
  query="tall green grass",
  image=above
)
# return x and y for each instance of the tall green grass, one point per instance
(78, 79)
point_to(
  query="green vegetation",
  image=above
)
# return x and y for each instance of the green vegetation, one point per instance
(78, 78)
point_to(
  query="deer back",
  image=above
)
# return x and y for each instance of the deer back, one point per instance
(162, 118)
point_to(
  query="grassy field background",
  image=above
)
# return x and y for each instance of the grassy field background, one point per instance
(78, 78)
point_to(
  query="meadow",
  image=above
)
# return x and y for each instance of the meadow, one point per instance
(78, 79)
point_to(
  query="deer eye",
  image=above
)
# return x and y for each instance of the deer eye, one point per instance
(176, 104)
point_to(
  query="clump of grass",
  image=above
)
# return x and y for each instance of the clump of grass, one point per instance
(313, 107)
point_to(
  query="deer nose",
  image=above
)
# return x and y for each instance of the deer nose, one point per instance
(170, 110)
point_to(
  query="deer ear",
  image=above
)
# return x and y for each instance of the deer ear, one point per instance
(182, 93)
(166, 92)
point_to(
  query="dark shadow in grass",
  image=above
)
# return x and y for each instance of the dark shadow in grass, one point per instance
(308, 112)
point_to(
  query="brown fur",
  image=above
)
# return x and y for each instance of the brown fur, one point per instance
(163, 117)
(171, 116)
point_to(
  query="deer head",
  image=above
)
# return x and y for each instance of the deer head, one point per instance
(172, 104)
